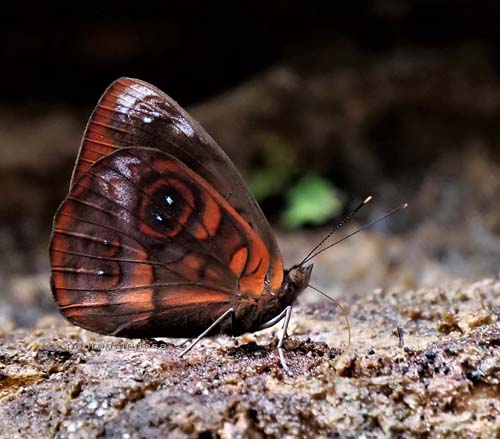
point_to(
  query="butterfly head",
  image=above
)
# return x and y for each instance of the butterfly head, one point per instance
(297, 279)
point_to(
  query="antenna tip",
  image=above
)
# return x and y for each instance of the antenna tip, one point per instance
(404, 205)
(367, 199)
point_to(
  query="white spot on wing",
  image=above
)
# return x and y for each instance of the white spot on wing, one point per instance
(182, 125)
(124, 165)
(143, 90)
(125, 102)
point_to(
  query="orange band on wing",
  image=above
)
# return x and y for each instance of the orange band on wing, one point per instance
(277, 274)
(194, 294)
(249, 284)
(138, 301)
(210, 219)
(238, 261)
(211, 215)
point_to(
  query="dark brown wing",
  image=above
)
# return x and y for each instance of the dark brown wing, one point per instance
(144, 246)
(133, 113)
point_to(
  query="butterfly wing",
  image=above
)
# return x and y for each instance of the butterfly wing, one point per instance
(133, 113)
(144, 246)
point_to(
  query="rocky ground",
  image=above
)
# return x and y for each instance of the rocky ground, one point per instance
(437, 376)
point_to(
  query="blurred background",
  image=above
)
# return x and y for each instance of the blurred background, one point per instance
(318, 103)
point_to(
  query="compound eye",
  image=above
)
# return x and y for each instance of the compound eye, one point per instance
(295, 276)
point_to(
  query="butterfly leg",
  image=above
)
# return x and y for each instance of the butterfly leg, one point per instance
(285, 314)
(274, 320)
(285, 327)
(288, 314)
(230, 311)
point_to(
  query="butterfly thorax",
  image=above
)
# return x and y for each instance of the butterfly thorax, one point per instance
(250, 316)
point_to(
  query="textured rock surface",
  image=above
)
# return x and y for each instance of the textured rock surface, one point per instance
(444, 382)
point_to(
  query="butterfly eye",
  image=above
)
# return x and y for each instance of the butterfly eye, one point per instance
(295, 276)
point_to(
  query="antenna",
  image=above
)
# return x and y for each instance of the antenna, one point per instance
(338, 226)
(383, 217)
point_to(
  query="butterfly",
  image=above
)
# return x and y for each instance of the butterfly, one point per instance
(159, 236)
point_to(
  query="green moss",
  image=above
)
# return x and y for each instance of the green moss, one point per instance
(312, 200)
